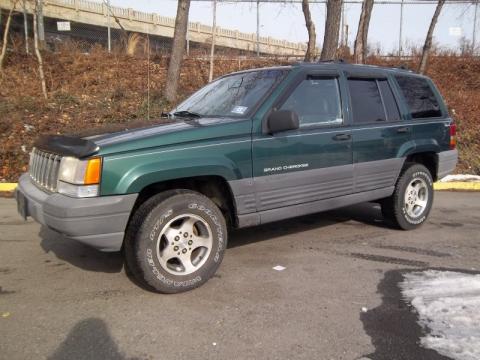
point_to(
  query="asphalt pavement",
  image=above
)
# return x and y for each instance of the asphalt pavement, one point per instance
(337, 298)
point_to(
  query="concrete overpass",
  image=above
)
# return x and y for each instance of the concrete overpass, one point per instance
(96, 14)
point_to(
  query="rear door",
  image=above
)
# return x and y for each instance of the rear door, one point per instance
(429, 117)
(313, 162)
(378, 130)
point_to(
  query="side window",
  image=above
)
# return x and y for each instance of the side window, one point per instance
(316, 100)
(366, 100)
(419, 96)
(391, 107)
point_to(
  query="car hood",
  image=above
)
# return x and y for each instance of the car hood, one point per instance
(131, 131)
(132, 136)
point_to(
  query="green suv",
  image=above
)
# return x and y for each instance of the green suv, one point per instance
(249, 148)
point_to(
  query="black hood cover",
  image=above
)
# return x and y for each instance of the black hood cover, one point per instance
(66, 145)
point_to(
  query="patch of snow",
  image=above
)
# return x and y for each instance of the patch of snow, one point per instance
(448, 304)
(460, 177)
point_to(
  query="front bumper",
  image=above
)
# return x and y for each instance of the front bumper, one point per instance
(99, 222)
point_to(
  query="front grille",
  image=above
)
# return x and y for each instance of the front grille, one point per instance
(44, 168)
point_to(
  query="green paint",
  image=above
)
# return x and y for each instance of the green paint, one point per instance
(238, 148)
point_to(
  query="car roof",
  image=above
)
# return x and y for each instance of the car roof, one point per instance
(357, 68)
(340, 65)
(282, 67)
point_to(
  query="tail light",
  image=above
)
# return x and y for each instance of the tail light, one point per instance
(453, 136)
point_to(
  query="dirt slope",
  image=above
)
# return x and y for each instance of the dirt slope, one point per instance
(89, 90)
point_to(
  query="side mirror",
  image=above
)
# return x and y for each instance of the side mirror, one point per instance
(282, 120)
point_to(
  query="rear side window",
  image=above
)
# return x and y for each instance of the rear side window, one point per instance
(391, 108)
(316, 100)
(419, 96)
(366, 100)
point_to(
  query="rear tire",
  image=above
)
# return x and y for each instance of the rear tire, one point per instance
(412, 199)
(175, 241)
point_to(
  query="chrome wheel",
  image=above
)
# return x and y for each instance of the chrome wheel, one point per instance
(184, 244)
(416, 198)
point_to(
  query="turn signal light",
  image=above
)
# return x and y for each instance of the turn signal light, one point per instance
(93, 171)
(453, 136)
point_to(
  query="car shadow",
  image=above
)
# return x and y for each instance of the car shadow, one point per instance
(89, 339)
(393, 325)
(78, 254)
(89, 259)
(364, 213)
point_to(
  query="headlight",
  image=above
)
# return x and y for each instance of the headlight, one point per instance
(79, 178)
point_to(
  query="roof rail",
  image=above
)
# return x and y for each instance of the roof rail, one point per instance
(404, 67)
(335, 61)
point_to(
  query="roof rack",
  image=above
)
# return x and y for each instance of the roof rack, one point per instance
(332, 61)
(335, 61)
(403, 67)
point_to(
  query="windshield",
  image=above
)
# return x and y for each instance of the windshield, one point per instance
(232, 95)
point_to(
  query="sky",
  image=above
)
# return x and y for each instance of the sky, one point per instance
(286, 22)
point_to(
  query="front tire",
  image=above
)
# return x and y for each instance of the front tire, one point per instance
(175, 241)
(412, 199)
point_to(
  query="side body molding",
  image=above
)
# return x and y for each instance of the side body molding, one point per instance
(275, 197)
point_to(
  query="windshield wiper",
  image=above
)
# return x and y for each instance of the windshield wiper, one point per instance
(186, 113)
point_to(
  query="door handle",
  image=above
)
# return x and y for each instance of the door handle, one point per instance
(404, 129)
(341, 137)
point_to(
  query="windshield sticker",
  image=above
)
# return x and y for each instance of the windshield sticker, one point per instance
(239, 110)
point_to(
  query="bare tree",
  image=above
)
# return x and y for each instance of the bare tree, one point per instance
(465, 46)
(312, 36)
(428, 40)
(5, 35)
(360, 49)
(332, 29)
(37, 52)
(178, 49)
(212, 47)
(124, 35)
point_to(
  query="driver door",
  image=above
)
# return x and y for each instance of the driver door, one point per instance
(313, 162)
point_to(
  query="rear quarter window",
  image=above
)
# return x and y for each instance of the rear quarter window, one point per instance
(419, 96)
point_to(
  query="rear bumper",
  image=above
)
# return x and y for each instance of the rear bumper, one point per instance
(447, 161)
(99, 222)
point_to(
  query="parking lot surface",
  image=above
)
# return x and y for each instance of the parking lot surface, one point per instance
(337, 298)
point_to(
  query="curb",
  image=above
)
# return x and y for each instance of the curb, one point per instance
(457, 185)
(454, 185)
(7, 186)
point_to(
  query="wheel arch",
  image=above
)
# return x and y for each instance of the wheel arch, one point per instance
(215, 187)
(429, 159)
